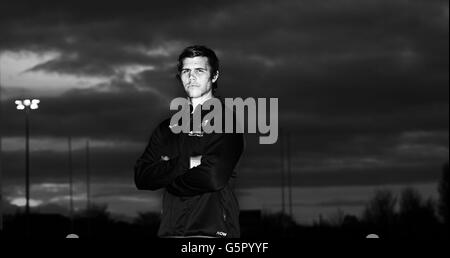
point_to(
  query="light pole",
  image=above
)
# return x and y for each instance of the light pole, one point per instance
(1, 175)
(70, 184)
(27, 105)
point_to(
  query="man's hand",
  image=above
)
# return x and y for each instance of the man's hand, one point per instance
(165, 158)
(195, 161)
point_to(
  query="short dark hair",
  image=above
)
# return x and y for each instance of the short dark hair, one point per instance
(198, 50)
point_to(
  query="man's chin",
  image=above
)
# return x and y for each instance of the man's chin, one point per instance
(194, 94)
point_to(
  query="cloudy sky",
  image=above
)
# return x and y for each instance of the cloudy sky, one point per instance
(362, 88)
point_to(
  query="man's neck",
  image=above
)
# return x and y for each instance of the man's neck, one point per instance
(200, 100)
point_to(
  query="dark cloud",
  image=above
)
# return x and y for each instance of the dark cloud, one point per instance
(107, 34)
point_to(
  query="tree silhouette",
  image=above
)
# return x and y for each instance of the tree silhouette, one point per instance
(410, 201)
(444, 197)
(380, 211)
(350, 221)
(416, 215)
(148, 219)
(336, 219)
(97, 211)
(279, 223)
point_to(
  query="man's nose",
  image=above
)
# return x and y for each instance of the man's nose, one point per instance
(191, 75)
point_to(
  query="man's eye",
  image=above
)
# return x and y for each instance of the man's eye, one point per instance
(184, 71)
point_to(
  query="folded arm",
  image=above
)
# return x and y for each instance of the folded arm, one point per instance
(217, 164)
(152, 171)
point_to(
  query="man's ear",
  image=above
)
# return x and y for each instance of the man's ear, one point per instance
(215, 77)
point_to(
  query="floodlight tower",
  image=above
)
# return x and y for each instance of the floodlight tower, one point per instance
(27, 105)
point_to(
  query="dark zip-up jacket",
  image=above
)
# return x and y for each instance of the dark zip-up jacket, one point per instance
(197, 201)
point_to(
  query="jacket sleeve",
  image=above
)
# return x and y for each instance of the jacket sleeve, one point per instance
(217, 164)
(150, 171)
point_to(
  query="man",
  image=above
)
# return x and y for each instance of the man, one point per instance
(195, 169)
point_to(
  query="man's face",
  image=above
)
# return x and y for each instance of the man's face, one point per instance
(196, 76)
